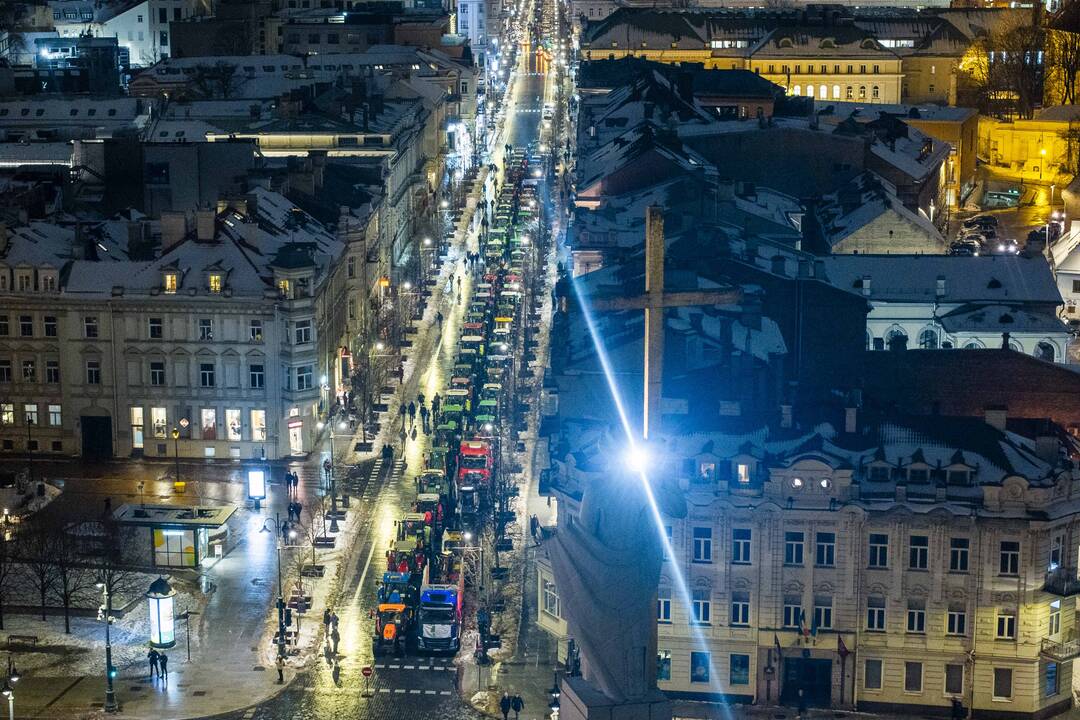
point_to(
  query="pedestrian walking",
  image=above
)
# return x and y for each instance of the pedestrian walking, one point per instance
(299, 508)
(152, 658)
(285, 532)
(420, 399)
(334, 619)
(280, 663)
(438, 318)
(534, 528)
(336, 637)
(413, 432)
(504, 705)
(326, 619)
(163, 661)
(517, 705)
(412, 412)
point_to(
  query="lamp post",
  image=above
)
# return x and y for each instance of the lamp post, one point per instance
(281, 590)
(110, 672)
(29, 446)
(330, 476)
(8, 689)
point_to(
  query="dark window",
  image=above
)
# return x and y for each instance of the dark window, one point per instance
(52, 371)
(156, 173)
(206, 374)
(256, 376)
(26, 325)
(156, 329)
(157, 373)
(958, 554)
(93, 372)
(50, 326)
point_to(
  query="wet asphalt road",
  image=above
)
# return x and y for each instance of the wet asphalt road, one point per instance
(413, 686)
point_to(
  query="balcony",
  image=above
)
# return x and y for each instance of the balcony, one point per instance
(1060, 651)
(1062, 581)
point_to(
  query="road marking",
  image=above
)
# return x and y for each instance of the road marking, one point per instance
(384, 690)
(437, 667)
(414, 692)
(409, 667)
(399, 691)
(379, 667)
(394, 667)
(444, 692)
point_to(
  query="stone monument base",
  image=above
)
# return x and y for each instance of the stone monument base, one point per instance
(581, 701)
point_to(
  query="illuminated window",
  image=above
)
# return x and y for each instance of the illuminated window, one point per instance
(7, 414)
(283, 287)
(215, 283)
(158, 421)
(232, 423)
(171, 283)
(258, 425)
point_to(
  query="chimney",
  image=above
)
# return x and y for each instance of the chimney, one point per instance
(1005, 340)
(205, 222)
(318, 168)
(851, 420)
(685, 85)
(996, 416)
(940, 286)
(174, 228)
(751, 312)
(1047, 446)
(866, 281)
(725, 190)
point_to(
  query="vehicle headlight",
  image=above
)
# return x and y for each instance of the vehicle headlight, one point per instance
(1001, 248)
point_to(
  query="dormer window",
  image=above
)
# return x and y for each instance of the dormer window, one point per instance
(283, 287)
(26, 282)
(169, 282)
(48, 283)
(879, 473)
(959, 477)
(742, 473)
(215, 282)
(918, 475)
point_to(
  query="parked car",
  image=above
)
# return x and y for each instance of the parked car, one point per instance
(964, 249)
(980, 221)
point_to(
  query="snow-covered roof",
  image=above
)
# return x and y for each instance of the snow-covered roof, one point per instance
(994, 319)
(861, 201)
(914, 278)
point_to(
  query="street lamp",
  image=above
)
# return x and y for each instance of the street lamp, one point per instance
(8, 689)
(1042, 164)
(333, 481)
(110, 672)
(281, 590)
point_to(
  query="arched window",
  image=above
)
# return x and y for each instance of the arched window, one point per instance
(796, 90)
(973, 345)
(862, 92)
(849, 93)
(928, 339)
(1015, 346)
(809, 91)
(875, 93)
(835, 92)
(823, 92)
(1045, 351)
(896, 339)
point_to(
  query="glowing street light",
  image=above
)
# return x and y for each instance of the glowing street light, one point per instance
(637, 459)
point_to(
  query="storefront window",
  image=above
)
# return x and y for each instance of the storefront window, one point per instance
(157, 419)
(232, 423)
(209, 424)
(258, 425)
(174, 548)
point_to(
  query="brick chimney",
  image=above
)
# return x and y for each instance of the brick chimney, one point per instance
(174, 228)
(205, 225)
(996, 416)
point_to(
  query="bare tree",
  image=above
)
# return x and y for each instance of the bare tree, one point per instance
(34, 550)
(73, 576)
(1063, 56)
(9, 568)
(215, 81)
(1002, 75)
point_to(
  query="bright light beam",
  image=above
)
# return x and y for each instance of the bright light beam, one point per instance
(637, 459)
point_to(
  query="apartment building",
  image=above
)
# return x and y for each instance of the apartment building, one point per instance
(213, 348)
(893, 566)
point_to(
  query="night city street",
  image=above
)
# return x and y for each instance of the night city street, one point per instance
(539, 359)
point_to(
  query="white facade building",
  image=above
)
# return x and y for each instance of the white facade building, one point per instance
(140, 28)
(941, 301)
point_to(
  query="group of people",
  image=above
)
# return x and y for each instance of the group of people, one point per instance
(510, 702)
(159, 664)
(418, 407)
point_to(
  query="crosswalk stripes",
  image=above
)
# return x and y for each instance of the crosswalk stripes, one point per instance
(402, 691)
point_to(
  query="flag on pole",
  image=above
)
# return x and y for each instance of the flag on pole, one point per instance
(803, 630)
(841, 648)
(813, 627)
(779, 650)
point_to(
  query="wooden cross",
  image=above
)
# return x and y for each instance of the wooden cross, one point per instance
(654, 302)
